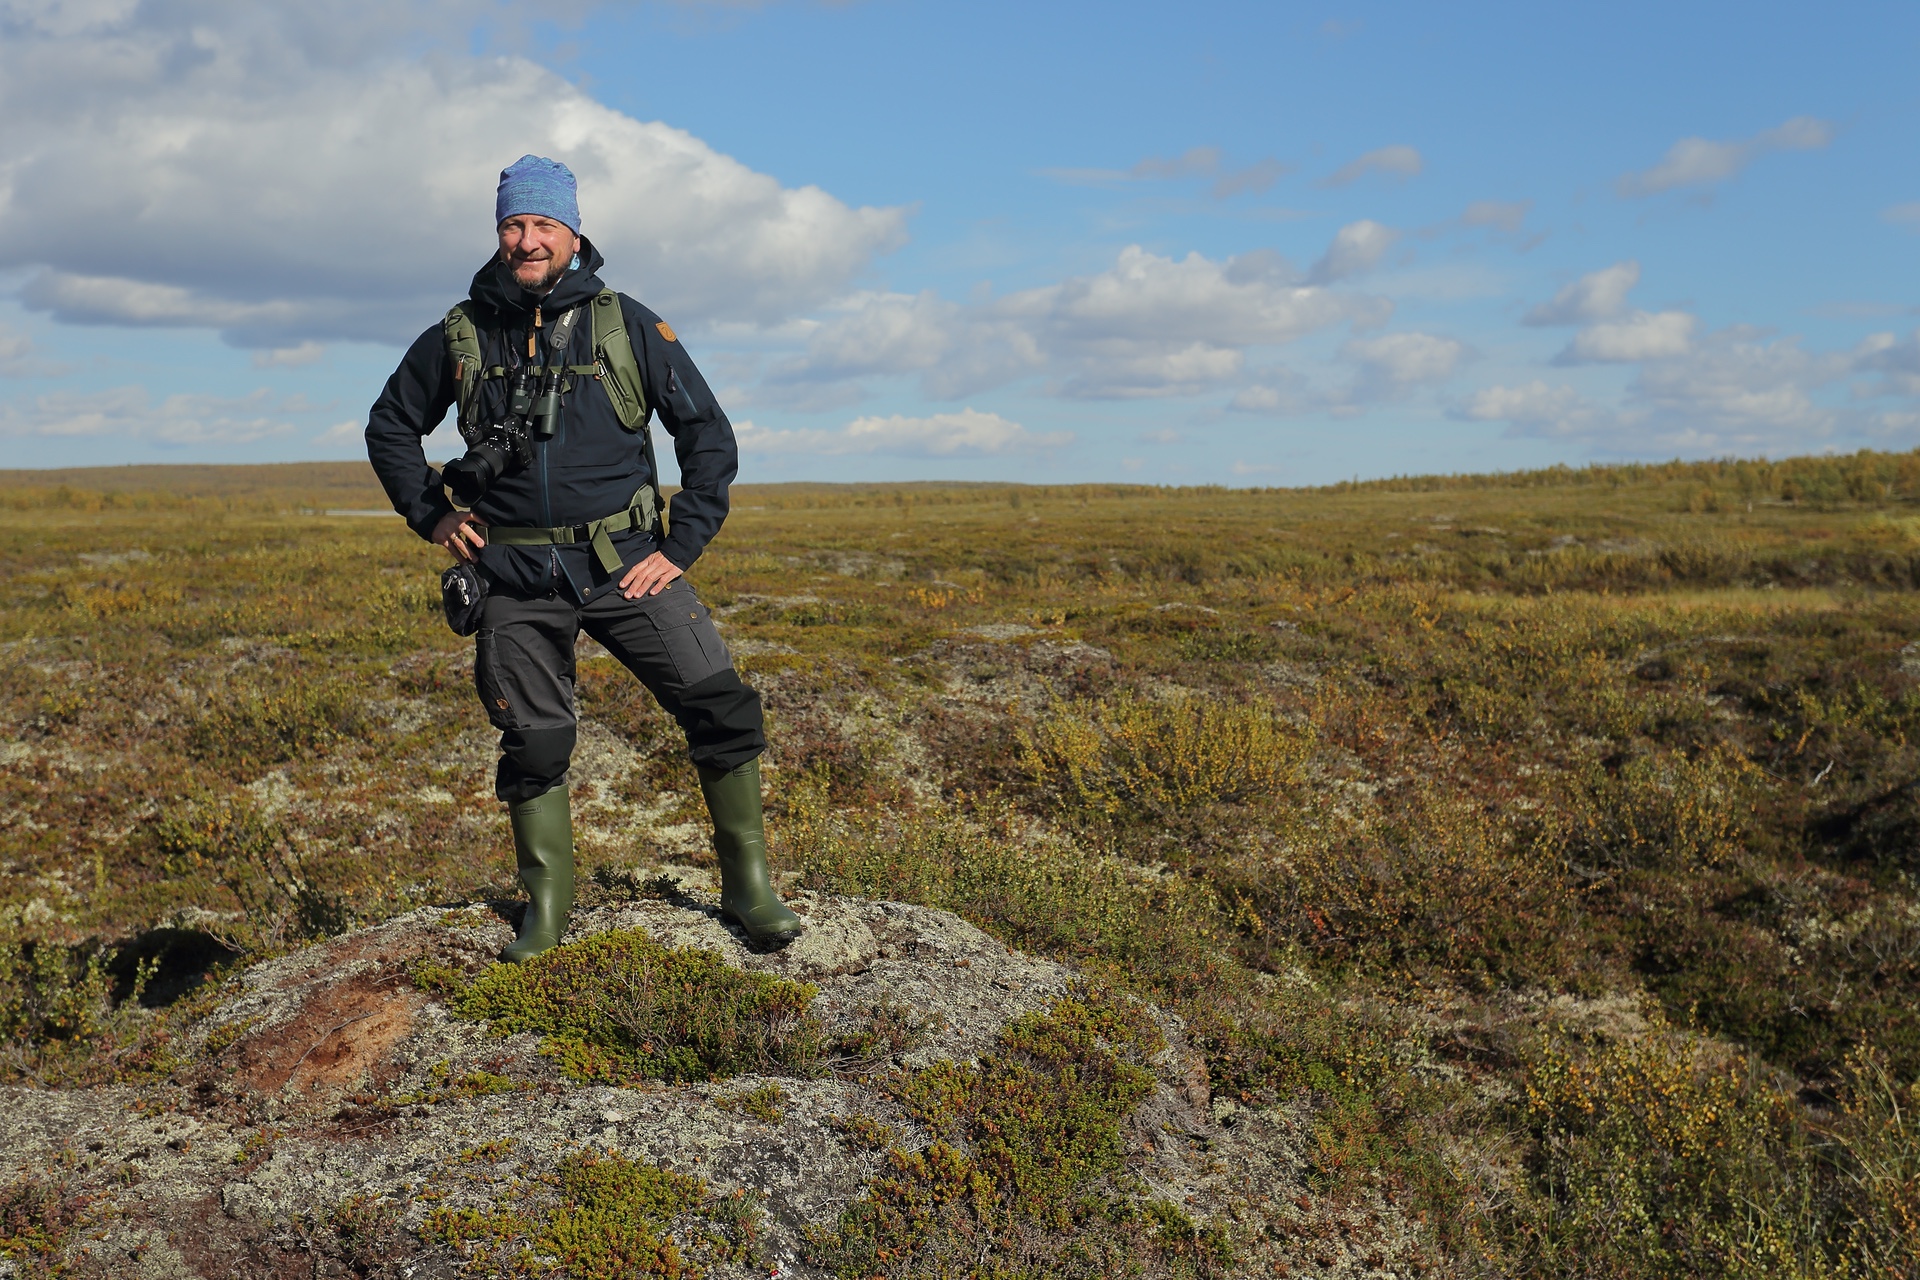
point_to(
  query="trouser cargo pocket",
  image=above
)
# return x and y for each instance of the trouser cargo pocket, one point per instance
(687, 634)
(518, 690)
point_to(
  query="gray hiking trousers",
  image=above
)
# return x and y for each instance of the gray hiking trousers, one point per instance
(523, 670)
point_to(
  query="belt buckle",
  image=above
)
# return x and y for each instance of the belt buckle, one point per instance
(582, 533)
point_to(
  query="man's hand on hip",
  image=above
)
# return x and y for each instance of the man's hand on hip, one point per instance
(462, 533)
(649, 577)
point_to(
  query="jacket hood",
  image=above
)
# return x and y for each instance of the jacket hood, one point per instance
(495, 288)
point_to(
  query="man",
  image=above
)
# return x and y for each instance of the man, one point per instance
(564, 536)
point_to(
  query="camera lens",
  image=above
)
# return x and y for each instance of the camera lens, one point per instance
(468, 478)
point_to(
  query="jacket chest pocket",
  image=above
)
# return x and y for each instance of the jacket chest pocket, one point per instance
(594, 436)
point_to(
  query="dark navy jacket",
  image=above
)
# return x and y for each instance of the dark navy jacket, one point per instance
(590, 467)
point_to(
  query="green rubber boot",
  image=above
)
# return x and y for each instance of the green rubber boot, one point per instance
(740, 840)
(543, 848)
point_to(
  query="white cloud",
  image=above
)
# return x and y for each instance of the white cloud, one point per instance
(1641, 335)
(1195, 162)
(1258, 398)
(1147, 326)
(1534, 408)
(1903, 215)
(295, 357)
(1897, 361)
(1151, 325)
(351, 432)
(1166, 301)
(1400, 360)
(1255, 178)
(1356, 247)
(1730, 392)
(1400, 161)
(1598, 295)
(966, 434)
(195, 164)
(881, 333)
(130, 413)
(1743, 392)
(1694, 162)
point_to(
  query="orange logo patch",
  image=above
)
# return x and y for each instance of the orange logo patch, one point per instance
(666, 330)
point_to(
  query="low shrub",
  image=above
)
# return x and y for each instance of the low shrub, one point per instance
(1130, 759)
(619, 1007)
(1667, 811)
(258, 862)
(1042, 895)
(615, 1216)
(1666, 1155)
(247, 727)
(1026, 1173)
(1440, 887)
(62, 1022)
(1655, 1159)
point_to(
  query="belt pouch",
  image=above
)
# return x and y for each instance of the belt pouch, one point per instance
(463, 592)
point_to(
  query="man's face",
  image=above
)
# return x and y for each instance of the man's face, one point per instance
(537, 250)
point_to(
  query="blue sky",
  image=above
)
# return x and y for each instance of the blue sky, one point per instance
(1232, 243)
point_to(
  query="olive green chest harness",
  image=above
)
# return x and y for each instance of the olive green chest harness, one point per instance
(615, 369)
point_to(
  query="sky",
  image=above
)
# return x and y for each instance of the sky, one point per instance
(1224, 243)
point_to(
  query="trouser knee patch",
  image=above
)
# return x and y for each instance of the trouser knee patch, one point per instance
(722, 720)
(532, 762)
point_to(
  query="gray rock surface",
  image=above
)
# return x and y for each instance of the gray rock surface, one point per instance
(325, 1075)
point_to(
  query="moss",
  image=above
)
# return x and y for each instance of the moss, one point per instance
(763, 1104)
(614, 1220)
(444, 1084)
(863, 1132)
(1026, 1176)
(602, 1216)
(619, 1007)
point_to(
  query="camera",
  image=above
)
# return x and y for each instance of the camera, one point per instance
(531, 410)
(501, 448)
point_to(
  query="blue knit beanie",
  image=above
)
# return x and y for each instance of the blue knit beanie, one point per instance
(537, 185)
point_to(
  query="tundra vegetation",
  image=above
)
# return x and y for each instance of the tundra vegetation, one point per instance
(1554, 837)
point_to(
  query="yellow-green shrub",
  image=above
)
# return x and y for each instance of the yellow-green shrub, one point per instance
(1669, 810)
(618, 1007)
(1131, 757)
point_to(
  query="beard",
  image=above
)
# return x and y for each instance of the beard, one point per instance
(538, 276)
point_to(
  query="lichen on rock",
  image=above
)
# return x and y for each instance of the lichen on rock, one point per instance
(896, 1092)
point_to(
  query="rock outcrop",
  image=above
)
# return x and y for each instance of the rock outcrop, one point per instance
(329, 1102)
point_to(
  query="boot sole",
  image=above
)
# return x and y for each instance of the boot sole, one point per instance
(773, 940)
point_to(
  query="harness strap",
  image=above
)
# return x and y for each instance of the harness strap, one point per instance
(638, 515)
(541, 370)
